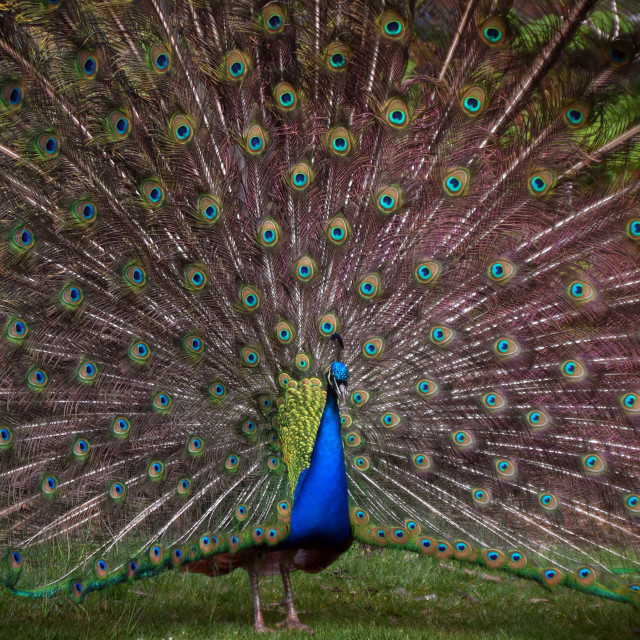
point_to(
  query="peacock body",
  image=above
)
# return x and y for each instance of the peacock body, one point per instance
(197, 197)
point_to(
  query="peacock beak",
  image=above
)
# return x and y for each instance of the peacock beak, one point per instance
(342, 392)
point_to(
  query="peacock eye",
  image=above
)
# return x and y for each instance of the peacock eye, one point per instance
(505, 468)
(302, 362)
(195, 277)
(455, 182)
(373, 348)
(481, 496)
(81, 448)
(630, 402)
(393, 25)
(337, 56)
(505, 347)
(585, 575)
(300, 177)
(548, 501)
(22, 238)
(161, 402)
(541, 182)
(139, 351)
(493, 31)
(538, 419)
(353, 440)
(426, 388)
(16, 330)
(71, 296)
(427, 272)
(120, 427)
(273, 463)
(501, 271)
(181, 128)
(462, 439)
(250, 297)
(390, 420)
(473, 101)
(633, 229)
(217, 390)
(134, 276)
(195, 446)
(6, 438)
(284, 379)
(593, 463)
(573, 370)
(389, 199)
(255, 140)
(396, 114)
(328, 324)
(580, 291)
(49, 485)
(359, 397)
(250, 356)
(117, 491)
(338, 230)
(361, 463)
(236, 65)
(155, 470)
(273, 17)
(370, 286)
(305, 269)
(339, 141)
(160, 58)
(285, 95)
(493, 401)
(268, 233)
(632, 503)
(153, 193)
(87, 371)
(619, 53)
(285, 332)
(11, 95)
(193, 344)
(440, 335)
(87, 64)
(48, 145)
(36, 379)
(119, 125)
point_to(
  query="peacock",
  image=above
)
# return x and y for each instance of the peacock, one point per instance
(279, 276)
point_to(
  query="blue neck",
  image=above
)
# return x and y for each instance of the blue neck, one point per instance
(320, 514)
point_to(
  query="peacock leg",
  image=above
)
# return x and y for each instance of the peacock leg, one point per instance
(253, 567)
(291, 621)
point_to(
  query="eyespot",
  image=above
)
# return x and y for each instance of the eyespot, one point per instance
(117, 491)
(209, 209)
(359, 397)
(501, 271)
(286, 98)
(236, 65)
(195, 277)
(161, 402)
(120, 427)
(155, 555)
(338, 231)
(11, 95)
(573, 370)
(630, 402)
(548, 501)
(390, 420)
(22, 238)
(575, 115)
(633, 229)
(339, 141)
(585, 575)
(249, 427)
(155, 470)
(516, 559)
(285, 332)
(540, 182)
(241, 512)
(177, 557)
(283, 379)
(455, 182)
(370, 286)
(195, 446)
(284, 508)
(473, 101)
(412, 527)
(505, 347)
(427, 546)
(493, 401)
(134, 276)
(373, 348)
(101, 568)
(273, 535)
(273, 17)
(16, 330)
(538, 419)
(396, 114)
(265, 402)
(37, 379)
(426, 388)
(493, 31)
(183, 487)
(392, 24)
(181, 128)
(337, 56)
(505, 468)
(250, 297)
(217, 390)
(303, 362)
(71, 296)
(305, 269)
(632, 502)
(6, 438)
(328, 324)
(48, 145)
(443, 550)
(269, 233)
(421, 461)
(132, 569)
(300, 177)
(352, 440)
(462, 550)
(462, 439)
(84, 211)
(160, 58)
(634, 587)
(480, 496)
(273, 463)
(139, 351)
(193, 344)
(209, 543)
(619, 53)
(87, 64)
(87, 371)
(494, 558)
(250, 356)
(552, 577)
(361, 463)
(153, 193)
(81, 449)
(593, 463)
(119, 125)
(427, 272)
(389, 199)
(440, 335)
(255, 140)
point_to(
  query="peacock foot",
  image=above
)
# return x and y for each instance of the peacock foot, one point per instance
(294, 625)
(262, 628)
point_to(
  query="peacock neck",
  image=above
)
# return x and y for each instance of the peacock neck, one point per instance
(320, 514)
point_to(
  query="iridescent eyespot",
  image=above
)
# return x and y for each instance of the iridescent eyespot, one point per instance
(633, 229)
(462, 439)
(552, 577)
(285, 332)
(250, 356)
(392, 24)
(361, 463)
(505, 468)
(273, 463)
(585, 575)
(255, 140)
(493, 401)
(494, 558)
(635, 587)
(101, 568)
(16, 330)
(427, 272)
(440, 335)
(285, 95)
(580, 291)
(48, 145)
(284, 508)
(630, 402)
(71, 296)
(195, 277)
(236, 65)
(573, 370)
(390, 420)
(120, 427)
(426, 388)
(134, 276)
(538, 419)
(473, 101)
(117, 491)
(328, 324)
(481, 496)
(455, 182)
(540, 182)
(177, 557)
(6, 438)
(359, 397)
(501, 271)
(338, 231)
(443, 550)
(301, 176)
(303, 362)
(119, 124)
(505, 347)
(36, 379)
(370, 286)
(337, 56)
(265, 402)
(22, 238)
(249, 427)
(493, 31)
(153, 193)
(284, 379)
(217, 390)
(273, 17)
(427, 546)
(49, 485)
(87, 371)
(576, 115)
(193, 344)
(516, 560)
(389, 199)
(81, 449)
(84, 211)
(183, 487)
(209, 209)
(160, 58)
(352, 440)
(161, 402)
(250, 298)
(339, 141)
(373, 348)
(11, 95)
(548, 501)
(632, 503)
(155, 470)
(305, 269)
(195, 446)
(132, 569)
(593, 463)
(396, 114)
(269, 233)
(87, 64)
(181, 129)
(619, 53)
(139, 351)
(462, 550)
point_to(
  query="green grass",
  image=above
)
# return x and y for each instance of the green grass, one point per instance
(368, 595)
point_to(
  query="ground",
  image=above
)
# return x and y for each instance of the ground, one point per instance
(365, 595)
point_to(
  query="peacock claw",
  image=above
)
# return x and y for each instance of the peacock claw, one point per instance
(294, 625)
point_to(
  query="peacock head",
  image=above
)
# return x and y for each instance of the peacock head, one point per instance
(337, 378)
